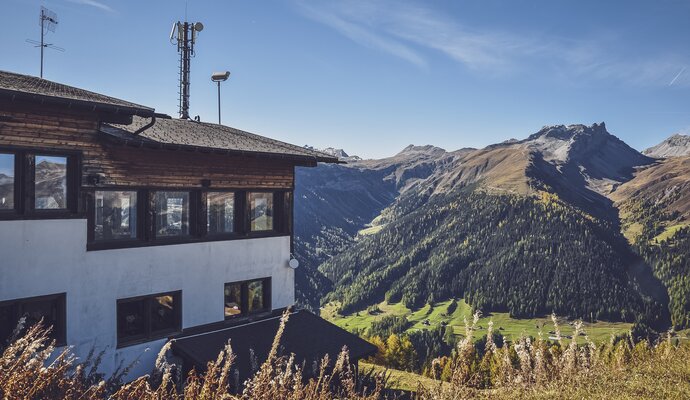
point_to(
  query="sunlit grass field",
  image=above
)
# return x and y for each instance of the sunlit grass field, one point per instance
(511, 328)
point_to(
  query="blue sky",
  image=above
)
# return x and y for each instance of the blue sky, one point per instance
(374, 76)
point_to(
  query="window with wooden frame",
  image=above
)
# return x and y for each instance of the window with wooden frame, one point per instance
(220, 213)
(145, 318)
(38, 183)
(49, 309)
(115, 215)
(261, 211)
(171, 213)
(7, 181)
(247, 297)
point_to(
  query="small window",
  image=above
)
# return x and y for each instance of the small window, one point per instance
(50, 183)
(220, 215)
(6, 181)
(146, 318)
(50, 309)
(172, 213)
(233, 299)
(249, 297)
(261, 211)
(116, 215)
(255, 296)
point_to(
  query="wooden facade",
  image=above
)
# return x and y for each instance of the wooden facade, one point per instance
(105, 163)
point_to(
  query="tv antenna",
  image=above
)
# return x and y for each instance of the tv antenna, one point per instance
(185, 34)
(47, 21)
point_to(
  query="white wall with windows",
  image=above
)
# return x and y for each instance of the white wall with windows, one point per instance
(44, 257)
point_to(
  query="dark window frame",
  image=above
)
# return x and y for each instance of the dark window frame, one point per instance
(244, 298)
(248, 213)
(282, 219)
(192, 216)
(148, 334)
(59, 333)
(24, 185)
(90, 197)
(238, 229)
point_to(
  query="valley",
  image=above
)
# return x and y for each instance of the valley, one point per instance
(520, 229)
(437, 316)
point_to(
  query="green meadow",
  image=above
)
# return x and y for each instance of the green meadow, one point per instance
(510, 328)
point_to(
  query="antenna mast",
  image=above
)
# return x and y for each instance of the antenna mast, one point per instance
(185, 34)
(47, 21)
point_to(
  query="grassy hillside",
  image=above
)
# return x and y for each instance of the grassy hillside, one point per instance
(511, 328)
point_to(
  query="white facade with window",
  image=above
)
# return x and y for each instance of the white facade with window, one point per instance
(42, 257)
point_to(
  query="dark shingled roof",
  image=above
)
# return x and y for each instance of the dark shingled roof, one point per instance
(36, 89)
(173, 133)
(306, 335)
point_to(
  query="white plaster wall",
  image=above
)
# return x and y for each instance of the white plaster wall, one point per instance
(49, 256)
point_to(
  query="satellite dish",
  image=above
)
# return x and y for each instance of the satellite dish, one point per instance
(198, 27)
(293, 263)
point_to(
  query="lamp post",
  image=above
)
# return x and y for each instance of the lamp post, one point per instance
(219, 77)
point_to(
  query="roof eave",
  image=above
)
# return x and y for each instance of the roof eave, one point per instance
(139, 142)
(78, 104)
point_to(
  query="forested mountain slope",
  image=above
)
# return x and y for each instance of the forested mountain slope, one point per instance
(528, 226)
(655, 214)
(334, 202)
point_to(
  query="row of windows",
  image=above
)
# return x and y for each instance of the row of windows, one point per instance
(139, 319)
(120, 215)
(35, 185)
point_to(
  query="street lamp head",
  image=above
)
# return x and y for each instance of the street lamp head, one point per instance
(220, 76)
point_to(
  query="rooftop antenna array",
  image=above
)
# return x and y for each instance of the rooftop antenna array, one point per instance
(185, 33)
(48, 21)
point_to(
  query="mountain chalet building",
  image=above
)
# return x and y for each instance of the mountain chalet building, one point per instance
(123, 228)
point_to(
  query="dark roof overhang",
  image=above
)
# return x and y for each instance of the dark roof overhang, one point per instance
(82, 105)
(306, 335)
(123, 137)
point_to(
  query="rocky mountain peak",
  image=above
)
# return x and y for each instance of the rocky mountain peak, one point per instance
(339, 153)
(675, 146)
(569, 132)
(426, 149)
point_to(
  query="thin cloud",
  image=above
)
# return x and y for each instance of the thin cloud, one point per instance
(676, 77)
(94, 3)
(362, 35)
(405, 30)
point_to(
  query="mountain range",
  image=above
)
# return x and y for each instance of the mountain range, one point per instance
(570, 219)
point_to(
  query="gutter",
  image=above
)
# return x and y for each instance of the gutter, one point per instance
(145, 127)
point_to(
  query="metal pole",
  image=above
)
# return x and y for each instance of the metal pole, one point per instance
(42, 21)
(218, 102)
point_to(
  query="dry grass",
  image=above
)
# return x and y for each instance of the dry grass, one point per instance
(30, 368)
(537, 369)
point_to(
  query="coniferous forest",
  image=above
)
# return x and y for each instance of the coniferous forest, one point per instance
(524, 254)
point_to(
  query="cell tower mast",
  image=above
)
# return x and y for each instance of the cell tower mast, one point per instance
(185, 34)
(48, 22)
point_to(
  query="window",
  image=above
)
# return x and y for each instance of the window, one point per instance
(255, 296)
(39, 184)
(172, 213)
(220, 213)
(249, 297)
(6, 181)
(49, 308)
(116, 215)
(50, 183)
(141, 319)
(261, 211)
(233, 299)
